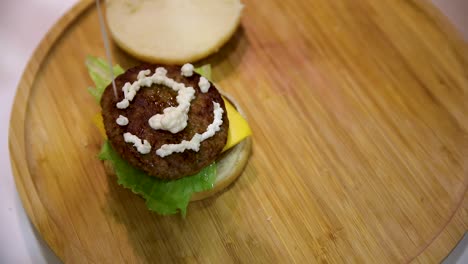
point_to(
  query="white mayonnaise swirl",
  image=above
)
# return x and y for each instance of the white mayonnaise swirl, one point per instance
(121, 120)
(194, 143)
(143, 147)
(187, 70)
(204, 84)
(173, 119)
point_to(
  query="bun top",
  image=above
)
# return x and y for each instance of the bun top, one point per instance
(172, 31)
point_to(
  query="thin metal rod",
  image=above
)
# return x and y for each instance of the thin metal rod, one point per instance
(106, 46)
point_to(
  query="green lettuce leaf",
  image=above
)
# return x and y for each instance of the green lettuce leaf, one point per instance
(204, 71)
(98, 70)
(163, 197)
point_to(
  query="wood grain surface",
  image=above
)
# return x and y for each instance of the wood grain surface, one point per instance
(359, 115)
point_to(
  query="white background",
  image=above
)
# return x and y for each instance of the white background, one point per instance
(23, 23)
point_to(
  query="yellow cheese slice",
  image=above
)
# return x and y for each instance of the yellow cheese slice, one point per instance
(238, 126)
(99, 123)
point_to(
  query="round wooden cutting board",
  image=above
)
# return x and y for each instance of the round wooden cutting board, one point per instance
(360, 143)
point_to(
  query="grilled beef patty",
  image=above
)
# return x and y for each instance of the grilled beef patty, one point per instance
(153, 100)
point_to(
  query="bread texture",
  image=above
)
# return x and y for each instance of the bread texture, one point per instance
(172, 31)
(229, 167)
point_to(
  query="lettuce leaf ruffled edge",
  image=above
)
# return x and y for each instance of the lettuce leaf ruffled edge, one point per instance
(162, 196)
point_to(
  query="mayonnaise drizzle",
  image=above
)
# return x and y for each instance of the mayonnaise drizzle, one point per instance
(121, 120)
(194, 143)
(204, 84)
(173, 119)
(143, 147)
(187, 70)
(123, 104)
